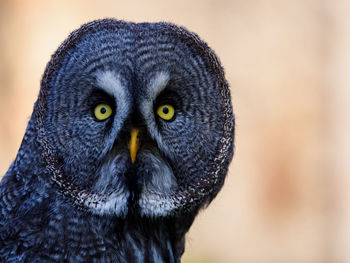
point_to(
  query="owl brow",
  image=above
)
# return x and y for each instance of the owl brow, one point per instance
(100, 95)
(110, 82)
(158, 84)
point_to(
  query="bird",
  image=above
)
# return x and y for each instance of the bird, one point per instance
(130, 138)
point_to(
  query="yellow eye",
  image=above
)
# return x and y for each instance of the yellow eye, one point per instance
(102, 111)
(166, 112)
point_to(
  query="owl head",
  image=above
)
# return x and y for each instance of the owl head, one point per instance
(135, 119)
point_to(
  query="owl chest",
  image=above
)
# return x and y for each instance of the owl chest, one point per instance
(78, 240)
(115, 247)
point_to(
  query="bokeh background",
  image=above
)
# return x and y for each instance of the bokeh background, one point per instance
(286, 198)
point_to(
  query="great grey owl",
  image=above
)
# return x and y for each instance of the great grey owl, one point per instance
(131, 135)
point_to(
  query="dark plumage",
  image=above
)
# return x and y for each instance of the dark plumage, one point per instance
(73, 194)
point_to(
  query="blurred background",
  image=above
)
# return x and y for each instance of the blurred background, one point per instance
(286, 198)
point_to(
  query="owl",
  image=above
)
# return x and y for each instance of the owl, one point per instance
(131, 135)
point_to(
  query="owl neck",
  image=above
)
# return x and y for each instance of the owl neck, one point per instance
(40, 222)
(52, 229)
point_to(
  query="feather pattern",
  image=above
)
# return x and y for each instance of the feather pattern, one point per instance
(72, 194)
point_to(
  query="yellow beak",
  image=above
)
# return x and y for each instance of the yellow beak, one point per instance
(134, 144)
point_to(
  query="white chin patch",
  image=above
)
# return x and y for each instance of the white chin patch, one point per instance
(109, 196)
(162, 182)
(113, 204)
(156, 205)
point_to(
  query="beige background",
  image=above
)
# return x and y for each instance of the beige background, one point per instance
(287, 195)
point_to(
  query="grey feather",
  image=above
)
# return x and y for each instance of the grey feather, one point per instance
(72, 194)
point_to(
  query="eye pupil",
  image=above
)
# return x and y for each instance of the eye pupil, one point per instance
(165, 110)
(103, 110)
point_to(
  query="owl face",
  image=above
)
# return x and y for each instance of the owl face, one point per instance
(136, 117)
